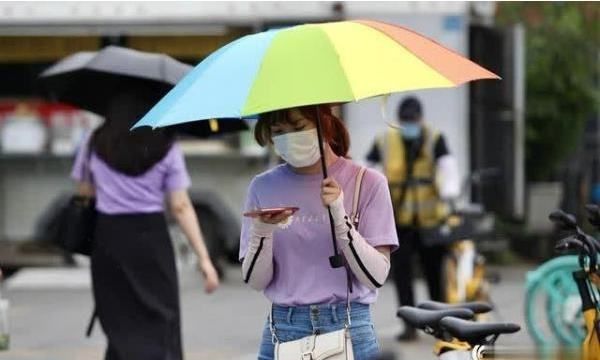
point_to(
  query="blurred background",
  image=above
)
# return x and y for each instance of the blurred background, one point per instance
(538, 128)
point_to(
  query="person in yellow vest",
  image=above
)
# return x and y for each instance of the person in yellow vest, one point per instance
(422, 176)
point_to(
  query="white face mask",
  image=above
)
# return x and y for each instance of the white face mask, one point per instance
(299, 149)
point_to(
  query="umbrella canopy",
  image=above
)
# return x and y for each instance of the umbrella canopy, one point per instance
(90, 80)
(311, 64)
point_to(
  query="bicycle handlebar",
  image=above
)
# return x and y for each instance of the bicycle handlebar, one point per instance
(569, 243)
(580, 240)
(593, 211)
(563, 220)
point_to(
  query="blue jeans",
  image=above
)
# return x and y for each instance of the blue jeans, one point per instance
(296, 322)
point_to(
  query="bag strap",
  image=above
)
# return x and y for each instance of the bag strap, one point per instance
(355, 215)
(87, 175)
(91, 323)
(87, 172)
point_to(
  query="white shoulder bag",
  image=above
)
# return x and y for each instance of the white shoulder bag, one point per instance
(335, 345)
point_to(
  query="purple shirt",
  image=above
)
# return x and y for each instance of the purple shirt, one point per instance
(117, 193)
(302, 274)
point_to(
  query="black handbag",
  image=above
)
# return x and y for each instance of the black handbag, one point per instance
(78, 225)
(79, 218)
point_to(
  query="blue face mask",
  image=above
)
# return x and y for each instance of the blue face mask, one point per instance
(411, 131)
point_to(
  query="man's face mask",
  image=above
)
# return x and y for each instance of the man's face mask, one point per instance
(299, 149)
(411, 130)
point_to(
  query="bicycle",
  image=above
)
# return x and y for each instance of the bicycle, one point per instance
(587, 277)
(458, 338)
(463, 270)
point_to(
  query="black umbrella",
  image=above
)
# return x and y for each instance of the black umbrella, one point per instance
(90, 79)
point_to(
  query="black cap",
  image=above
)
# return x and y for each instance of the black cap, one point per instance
(410, 109)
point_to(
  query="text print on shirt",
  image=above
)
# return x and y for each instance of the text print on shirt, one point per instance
(310, 218)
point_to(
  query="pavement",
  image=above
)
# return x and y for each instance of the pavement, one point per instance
(50, 308)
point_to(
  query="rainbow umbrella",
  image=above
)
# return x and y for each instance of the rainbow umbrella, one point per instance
(311, 64)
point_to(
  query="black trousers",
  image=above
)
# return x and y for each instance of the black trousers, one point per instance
(135, 287)
(402, 266)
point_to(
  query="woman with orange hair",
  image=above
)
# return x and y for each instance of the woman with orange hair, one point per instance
(287, 256)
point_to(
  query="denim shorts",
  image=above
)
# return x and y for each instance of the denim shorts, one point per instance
(296, 322)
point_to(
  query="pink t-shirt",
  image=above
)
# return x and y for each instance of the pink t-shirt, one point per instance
(301, 252)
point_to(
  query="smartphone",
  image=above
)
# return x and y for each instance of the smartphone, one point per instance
(270, 211)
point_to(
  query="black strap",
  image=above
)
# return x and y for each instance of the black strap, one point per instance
(349, 286)
(87, 176)
(91, 323)
(87, 172)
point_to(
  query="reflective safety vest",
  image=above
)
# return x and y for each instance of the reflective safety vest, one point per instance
(421, 205)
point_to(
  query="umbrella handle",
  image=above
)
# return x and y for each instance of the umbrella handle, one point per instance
(337, 260)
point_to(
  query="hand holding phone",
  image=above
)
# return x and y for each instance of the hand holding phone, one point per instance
(271, 211)
(279, 215)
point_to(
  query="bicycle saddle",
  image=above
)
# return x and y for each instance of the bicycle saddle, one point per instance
(476, 333)
(423, 319)
(478, 307)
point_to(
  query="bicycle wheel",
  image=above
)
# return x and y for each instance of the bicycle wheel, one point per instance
(553, 306)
